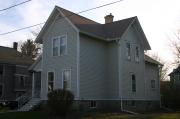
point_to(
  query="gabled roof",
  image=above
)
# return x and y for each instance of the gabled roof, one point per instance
(107, 32)
(151, 60)
(175, 71)
(12, 56)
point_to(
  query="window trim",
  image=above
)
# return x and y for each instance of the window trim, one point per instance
(69, 80)
(48, 80)
(59, 41)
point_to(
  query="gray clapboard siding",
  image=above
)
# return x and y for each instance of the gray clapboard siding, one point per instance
(152, 74)
(113, 81)
(132, 67)
(93, 68)
(59, 63)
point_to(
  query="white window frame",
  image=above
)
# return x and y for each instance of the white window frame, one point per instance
(69, 79)
(59, 45)
(48, 80)
(128, 51)
(137, 58)
(2, 89)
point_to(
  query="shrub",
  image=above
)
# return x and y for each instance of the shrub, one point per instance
(60, 102)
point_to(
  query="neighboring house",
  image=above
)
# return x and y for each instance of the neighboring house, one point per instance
(14, 75)
(175, 77)
(104, 65)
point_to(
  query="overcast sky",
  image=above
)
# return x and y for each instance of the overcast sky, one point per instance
(158, 18)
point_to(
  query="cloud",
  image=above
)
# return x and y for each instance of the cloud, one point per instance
(157, 17)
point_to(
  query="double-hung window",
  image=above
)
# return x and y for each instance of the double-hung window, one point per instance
(137, 54)
(128, 51)
(55, 46)
(63, 45)
(153, 84)
(67, 79)
(133, 78)
(59, 45)
(50, 81)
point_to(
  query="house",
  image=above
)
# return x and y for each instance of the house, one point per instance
(15, 80)
(175, 77)
(104, 65)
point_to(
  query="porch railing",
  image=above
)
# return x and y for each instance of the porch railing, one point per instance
(24, 99)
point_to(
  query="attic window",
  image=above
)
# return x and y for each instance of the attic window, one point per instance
(128, 51)
(137, 54)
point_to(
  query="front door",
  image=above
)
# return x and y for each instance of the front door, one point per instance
(37, 85)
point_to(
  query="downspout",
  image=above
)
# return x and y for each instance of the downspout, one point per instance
(119, 75)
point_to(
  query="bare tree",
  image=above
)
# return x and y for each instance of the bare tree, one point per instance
(175, 45)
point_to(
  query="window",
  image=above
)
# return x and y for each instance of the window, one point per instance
(128, 51)
(133, 83)
(66, 79)
(1, 90)
(50, 81)
(60, 45)
(63, 45)
(92, 104)
(153, 84)
(55, 47)
(137, 54)
(133, 103)
(1, 73)
(22, 81)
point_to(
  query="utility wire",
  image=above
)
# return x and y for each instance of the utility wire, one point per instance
(14, 5)
(5, 33)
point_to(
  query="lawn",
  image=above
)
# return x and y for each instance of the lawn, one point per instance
(40, 115)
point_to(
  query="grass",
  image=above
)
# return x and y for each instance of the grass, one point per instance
(40, 115)
(139, 116)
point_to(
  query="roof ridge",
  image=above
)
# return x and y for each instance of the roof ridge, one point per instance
(78, 15)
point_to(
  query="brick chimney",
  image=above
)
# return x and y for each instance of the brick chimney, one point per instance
(108, 18)
(15, 45)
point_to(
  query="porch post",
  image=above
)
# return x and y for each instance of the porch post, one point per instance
(33, 77)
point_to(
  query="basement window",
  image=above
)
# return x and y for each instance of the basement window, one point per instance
(92, 104)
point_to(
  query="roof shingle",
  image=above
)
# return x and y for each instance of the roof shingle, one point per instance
(101, 30)
(12, 56)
